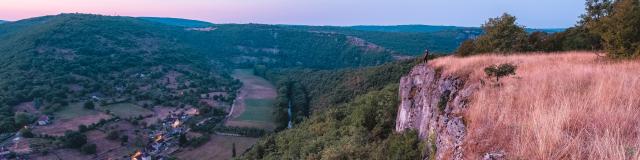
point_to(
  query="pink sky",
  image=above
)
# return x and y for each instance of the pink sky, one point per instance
(531, 13)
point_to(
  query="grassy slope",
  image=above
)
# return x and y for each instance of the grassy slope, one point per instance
(558, 106)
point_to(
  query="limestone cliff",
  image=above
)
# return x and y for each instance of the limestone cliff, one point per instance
(433, 104)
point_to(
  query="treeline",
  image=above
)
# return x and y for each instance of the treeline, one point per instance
(607, 25)
(309, 90)
(360, 129)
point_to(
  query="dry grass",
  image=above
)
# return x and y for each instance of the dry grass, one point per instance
(559, 106)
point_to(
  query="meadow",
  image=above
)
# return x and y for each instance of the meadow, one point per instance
(572, 105)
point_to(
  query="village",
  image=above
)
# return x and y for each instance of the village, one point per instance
(125, 128)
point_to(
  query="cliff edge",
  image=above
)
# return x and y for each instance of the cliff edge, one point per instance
(433, 104)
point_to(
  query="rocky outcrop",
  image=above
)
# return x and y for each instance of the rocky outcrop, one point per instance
(433, 104)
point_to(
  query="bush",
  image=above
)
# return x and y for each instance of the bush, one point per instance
(83, 128)
(500, 71)
(26, 132)
(74, 139)
(88, 148)
(89, 105)
(113, 135)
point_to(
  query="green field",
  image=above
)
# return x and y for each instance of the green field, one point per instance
(258, 110)
(126, 110)
(74, 110)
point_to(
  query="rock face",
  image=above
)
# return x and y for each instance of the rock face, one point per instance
(433, 105)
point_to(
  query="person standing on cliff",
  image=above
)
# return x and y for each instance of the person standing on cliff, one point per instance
(426, 56)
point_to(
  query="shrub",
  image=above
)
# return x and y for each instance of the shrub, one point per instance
(26, 132)
(89, 105)
(113, 135)
(74, 139)
(500, 71)
(88, 148)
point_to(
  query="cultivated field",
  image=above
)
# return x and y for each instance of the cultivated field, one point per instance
(254, 104)
(69, 118)
(219, 147)
(558, 106)
(127, 110)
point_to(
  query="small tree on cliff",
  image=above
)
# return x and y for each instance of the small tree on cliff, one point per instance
(501, 70)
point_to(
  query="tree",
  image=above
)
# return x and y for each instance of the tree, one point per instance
(619, 29)
(22, 118)
(233, 150)
(26, 132)
(124, 139)
(500, 71)
(466, 48)
(502, 34)
(88, 148)
(183, 140)
(596, 10)
(113, 135)
(89, 105)
(74, 139)
(83, 128)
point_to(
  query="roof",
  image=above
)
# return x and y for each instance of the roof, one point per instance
(43, 118)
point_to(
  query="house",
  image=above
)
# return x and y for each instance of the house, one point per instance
(43, 120)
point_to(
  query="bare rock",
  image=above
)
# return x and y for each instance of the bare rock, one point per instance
(433, 105)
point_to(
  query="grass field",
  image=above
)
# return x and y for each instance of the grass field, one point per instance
(74, 110)
(125, 110)
(69, 118)
(254, 104)
(558, 106)
(219, 147)
(257, 110)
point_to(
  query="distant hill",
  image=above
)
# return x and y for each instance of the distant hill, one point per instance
(409, 28)
(178, 22)
(437, 40)
(431, 28)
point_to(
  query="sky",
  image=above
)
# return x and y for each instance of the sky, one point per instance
(530, 13)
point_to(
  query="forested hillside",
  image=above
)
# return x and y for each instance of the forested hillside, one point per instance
(361, 129)
(404, 40)
(57, 60)
(178, 22)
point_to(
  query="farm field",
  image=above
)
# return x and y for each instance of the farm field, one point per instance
(69, 118)
(74, 110)
(254, 105)
(219, 147)
(257, 110)
(127, 110)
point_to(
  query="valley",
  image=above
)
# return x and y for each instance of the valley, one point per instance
(77, 86)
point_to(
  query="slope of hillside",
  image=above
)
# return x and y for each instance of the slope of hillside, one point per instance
(557, 106)
(404, 42)
(56, 60)
(275, 46)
